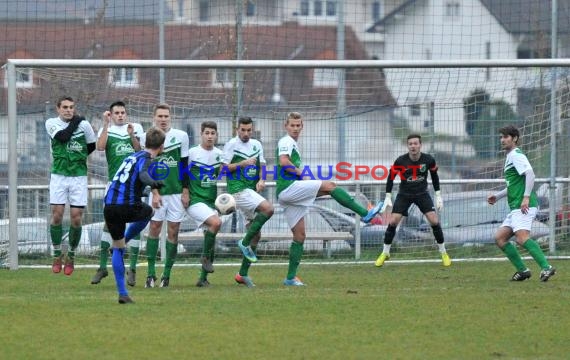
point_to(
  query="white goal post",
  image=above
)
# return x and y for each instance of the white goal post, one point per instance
(339, 65)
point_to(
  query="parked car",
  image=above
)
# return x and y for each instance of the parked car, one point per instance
(33, 235)
(371, 235)
(466, 219)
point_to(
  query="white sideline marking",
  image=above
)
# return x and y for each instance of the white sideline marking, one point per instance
(353, 262)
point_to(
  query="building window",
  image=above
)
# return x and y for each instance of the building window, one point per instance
(376, 10)
(181, 9)
(327, 78)
(452, 9)
(223, 78)
(204, 10)
(331, 8)
(304, 7)
(318, 8)
(24, 78)
(415, 107)
(124, 77)
(250, 8)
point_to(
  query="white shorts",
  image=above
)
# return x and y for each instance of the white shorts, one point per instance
(200, 212)
(516, 220)
(247, 201)
(64, 189)
(171, 210)
(297, 198)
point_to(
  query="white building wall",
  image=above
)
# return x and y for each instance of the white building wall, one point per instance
(425, 32)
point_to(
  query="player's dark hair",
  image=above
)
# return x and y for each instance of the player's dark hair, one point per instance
(209, 125)
(511, 130)
(154, 138)
(415, 136)
(245, 120)
(64, 98)
(116, 103)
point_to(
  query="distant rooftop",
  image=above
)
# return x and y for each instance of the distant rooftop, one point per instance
(82, 10)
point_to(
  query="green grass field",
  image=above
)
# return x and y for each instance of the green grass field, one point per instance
(401, 311)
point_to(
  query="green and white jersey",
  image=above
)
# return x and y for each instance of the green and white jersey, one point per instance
(287, 146)
(516, 164)
(236, 151)
(175, 148)
(204, 166)
(70, 158)
(119, 145)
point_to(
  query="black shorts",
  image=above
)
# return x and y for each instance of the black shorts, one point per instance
(403, 203)
(118, 216)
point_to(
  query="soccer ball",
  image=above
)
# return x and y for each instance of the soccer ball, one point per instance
(225, 204)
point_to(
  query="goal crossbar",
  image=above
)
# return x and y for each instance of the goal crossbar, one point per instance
(260, 64)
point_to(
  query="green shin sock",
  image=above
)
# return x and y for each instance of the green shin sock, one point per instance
(171, 251)
(254, 228)
(151, 252)
(343, 198)
(245, 264)
(104, 254)
(534, 250)
(514, 257)
(56, 233)
(295, 254)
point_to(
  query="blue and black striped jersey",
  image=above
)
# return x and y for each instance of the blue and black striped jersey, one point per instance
(128, 184)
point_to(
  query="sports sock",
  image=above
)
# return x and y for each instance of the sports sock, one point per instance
(245, 264)
(295, 254)
(104, 251)
(151, 251)
(74, 238)
(255, 227)
(441, 248)
(134, 229)
(56, 232)
(134, 246)
(344, 198)
(534, 250)
(203, 275)
(389, 234)
(171, 251)
(119, 271)
(209, 244)
(386, 249)
(514, 257)
(437, 233)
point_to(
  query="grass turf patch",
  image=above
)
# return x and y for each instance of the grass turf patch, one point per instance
(400, 311)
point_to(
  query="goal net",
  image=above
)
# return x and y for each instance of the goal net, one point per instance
(358, 116)
(457, 111)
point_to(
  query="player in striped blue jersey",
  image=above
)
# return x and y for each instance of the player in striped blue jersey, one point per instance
(123, 203)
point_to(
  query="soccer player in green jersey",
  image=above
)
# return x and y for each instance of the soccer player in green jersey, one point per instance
(172, 199)
(296, 194)
(119, 139)
(72, 140)
(523, 203)
(204, 162)
(243, 158)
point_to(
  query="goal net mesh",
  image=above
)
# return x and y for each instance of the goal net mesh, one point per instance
(457, 111)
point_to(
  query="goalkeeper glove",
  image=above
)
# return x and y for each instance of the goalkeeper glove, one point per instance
(387, 202)
(438, 201)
